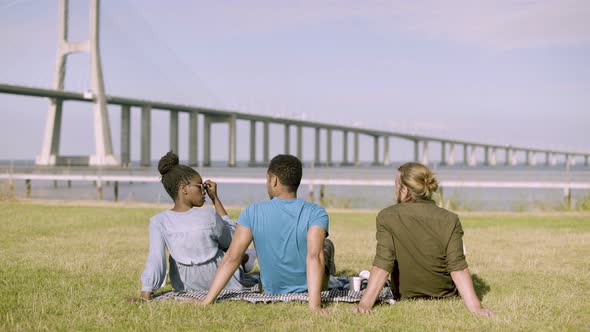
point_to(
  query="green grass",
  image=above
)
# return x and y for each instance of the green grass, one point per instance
(71, 268)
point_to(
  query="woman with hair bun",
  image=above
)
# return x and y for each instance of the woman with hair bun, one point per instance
(420, 245)
(196, 238)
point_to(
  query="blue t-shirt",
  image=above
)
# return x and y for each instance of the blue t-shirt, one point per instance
(279, 228)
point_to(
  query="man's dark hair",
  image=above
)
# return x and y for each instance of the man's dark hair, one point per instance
(288, 169)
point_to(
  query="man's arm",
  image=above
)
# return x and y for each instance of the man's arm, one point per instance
(230, 262)
(374, 286)
(382, 265)
(315, 265)
(462, 280)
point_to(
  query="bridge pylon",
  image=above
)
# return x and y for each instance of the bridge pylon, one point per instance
(102, 132)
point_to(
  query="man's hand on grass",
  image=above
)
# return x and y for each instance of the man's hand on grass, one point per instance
(321, 311)
(484, 312)
(361, 309)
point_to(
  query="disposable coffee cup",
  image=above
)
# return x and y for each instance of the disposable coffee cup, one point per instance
(365, 274)
(355, 283)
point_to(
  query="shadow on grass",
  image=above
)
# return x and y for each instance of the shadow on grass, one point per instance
(481, 287)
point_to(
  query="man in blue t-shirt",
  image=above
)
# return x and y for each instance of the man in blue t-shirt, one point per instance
(289, 235)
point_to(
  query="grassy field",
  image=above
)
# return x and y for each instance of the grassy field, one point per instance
(71, 268)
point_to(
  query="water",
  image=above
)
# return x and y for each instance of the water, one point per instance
(365, 197)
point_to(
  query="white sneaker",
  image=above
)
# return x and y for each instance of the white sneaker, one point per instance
(249, 264)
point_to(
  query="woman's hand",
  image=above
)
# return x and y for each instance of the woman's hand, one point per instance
(211, 188)
(143, 297)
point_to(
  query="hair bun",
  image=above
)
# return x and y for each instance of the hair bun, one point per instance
(167, 162)
(430, 183)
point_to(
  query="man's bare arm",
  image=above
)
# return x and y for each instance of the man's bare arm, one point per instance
(230, 262)
(462, 280)
(315, 265)
(376, 281)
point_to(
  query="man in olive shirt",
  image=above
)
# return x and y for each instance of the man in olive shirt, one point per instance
(420, 245)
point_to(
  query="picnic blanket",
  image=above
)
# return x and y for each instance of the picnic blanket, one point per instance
(253, 295)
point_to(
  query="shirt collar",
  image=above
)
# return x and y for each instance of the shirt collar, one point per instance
(423, 200)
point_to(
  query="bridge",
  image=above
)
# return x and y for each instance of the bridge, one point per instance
(513, 155)
(421, 143)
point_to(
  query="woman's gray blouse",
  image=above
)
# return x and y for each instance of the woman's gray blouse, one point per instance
(196, 240)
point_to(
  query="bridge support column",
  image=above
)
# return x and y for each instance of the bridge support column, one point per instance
(207, 141)
(465, 158)
(425, 153)
(125, 135)
(287, 138)
(329, 147)
(316, 160)
(252, 143)
(416, 151)
(102, 132)
(356, 148)
(443, 153)
(486, 157)
(300, 143)
(232, 141)
(452, 154)
(473, 160)
(572, 159)
(173, 139)
(50, 150)
(266, 137)
(547, 159)
(528, 157)
(513, 160)
(386, 159)
(345, 147)
(375, 150)
(586, 160)
(146, 135)
(102, 129)
(507, 157)
(494, 160)
(193, 139)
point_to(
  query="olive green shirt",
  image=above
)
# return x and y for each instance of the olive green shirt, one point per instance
(424, 243)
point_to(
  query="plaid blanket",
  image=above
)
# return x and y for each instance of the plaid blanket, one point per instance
(253, 295)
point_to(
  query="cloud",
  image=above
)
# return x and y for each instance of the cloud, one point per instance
(491, 24)
(500, 24)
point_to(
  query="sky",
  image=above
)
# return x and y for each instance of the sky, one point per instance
(499, 72)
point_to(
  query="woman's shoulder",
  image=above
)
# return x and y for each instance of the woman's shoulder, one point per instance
(390, 210)
(203, 214)
(194, 213)
(159, 216)
(158, 219)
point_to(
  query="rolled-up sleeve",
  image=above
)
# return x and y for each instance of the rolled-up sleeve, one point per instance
(229, 221)
(155, 265)
(455, 256)
(385, 252)
(225, 228)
